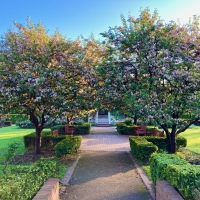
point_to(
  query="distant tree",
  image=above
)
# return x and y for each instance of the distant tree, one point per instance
(42, 76)
(154, 69)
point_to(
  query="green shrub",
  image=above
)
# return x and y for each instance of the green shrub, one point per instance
(70, 144)
(159, 162)
(161, 142)
(124, 129)
(25, 124)
(29, 124)
(83, 129)
(141, 148)
(181, 142)
(23, 182)
(128, 121)
(178, 172)
(48, 140)
(80, 129)
(16, 117)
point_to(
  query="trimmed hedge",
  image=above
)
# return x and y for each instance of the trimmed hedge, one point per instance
(23, 182)
(178, 172)
(80, 129)
(124, 129)
(141, 148)
(161, 142)
(71, 144)
(48, 140)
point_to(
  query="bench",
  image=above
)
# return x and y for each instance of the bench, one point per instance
(141, 130)
(69, 130)
(155, 133)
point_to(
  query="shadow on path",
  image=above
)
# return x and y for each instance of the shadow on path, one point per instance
(106, 176)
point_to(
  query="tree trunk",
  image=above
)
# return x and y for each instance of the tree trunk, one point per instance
(171, 141)
(135, 120)
(38, 140)
(171, 138)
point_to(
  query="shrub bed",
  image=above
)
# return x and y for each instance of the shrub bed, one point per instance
(23, 182)
(62, 144)
(80, 129)
(178, 172)
(48, 140)
(124, 129)
(70, 144)
(161, 142)
(141, 148)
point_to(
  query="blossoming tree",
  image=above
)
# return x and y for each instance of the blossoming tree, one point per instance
(156, 65)
(43, 76)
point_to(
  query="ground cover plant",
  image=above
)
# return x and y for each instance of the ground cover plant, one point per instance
(11, 139)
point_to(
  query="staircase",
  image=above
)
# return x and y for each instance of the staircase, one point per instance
(103, 121)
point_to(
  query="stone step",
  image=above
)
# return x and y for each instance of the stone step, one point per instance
(103, 125)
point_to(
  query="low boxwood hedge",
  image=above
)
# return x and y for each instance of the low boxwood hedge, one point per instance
(23, 182)
(178, 172)
(80, 129)
(48, 140)
(70, 144)
(124, 129)
(141, 148)
(161, 142)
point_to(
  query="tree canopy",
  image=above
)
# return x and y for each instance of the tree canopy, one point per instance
(153, 67)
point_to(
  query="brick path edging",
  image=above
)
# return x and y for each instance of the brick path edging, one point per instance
(164, 191)
(64, 182)
(50, 190)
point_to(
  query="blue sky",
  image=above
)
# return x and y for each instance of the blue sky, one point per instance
(83, 17)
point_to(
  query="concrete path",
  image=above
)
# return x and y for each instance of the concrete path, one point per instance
(105, 170)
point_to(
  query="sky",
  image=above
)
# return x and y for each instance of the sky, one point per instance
(75, 18)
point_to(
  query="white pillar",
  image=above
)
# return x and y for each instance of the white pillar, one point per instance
(109, 120)
(96, 117)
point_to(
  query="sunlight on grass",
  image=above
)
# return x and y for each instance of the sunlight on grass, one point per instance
(192, 135)
(12, 134)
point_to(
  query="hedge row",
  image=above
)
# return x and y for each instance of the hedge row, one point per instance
(48, 140)
(80, 129)
(51, 142)
(69, 145)
(143, 147)
(178, 172)
(161, 142)
(124, 129)
(23, 182)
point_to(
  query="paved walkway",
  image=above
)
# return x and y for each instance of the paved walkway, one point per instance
(104, 139)
(105, 170)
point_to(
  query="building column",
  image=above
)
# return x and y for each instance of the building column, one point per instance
(109, 120)
(96, 117)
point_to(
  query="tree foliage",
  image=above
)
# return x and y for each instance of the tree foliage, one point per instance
(153, 67)
(44, 76)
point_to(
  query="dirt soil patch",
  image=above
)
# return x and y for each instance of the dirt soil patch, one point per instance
(30, 156)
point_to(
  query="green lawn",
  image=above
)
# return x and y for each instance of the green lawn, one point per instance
(192, 135)
(12, 134)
